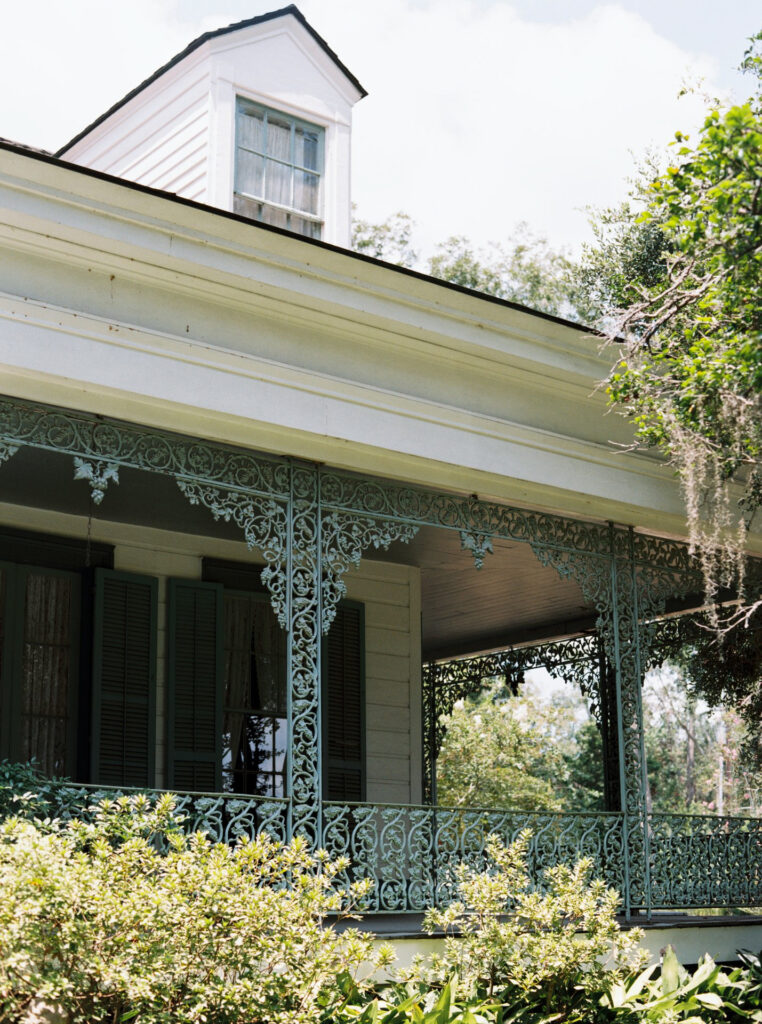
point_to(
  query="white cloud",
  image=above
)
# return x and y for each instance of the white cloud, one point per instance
(476, 117)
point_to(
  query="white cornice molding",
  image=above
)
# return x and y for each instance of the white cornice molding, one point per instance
(75, 215)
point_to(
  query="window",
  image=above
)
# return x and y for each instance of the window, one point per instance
(39, 634)
(77, 661)
(254, 726)
(227, 685)
(279, 163)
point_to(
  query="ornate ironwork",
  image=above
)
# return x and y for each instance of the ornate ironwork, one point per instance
(95, 439)
(345, 538)
(264, 525)
(313, 523)
(7, 451)
(479, 544)
(446, 682)
(98, 474)
(304, 617)
(411, 853)
(703, 861)
(223, 816)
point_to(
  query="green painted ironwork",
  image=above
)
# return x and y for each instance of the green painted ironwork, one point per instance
(705, 861)
(312, 524)
(411, 852)
(577, 659)
(223, 816)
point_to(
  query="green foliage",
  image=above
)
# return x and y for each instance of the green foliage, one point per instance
(691, 373)
(129, 917)
(503, 753)
(709, 994)
(391, 240)
(520, 751)
(24, 791)
(524, 269)
(556, 952)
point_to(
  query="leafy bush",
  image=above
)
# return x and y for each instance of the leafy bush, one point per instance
(709, 994)
(554, 954)
(127, 917)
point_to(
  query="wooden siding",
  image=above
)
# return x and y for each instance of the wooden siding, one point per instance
(162, 141)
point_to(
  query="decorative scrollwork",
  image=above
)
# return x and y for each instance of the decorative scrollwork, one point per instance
(223, 816)
(345, 538)
(95, 439)
(705, 861)
(264, 525)
(412, 853)
(98, 473)
(577, 660)
(7, 451)
(479, 544)
(304, 652)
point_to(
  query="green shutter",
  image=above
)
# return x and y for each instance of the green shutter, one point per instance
(194, 686)
(124, 679)
(344, 705)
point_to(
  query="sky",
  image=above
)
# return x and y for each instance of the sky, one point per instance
(481, 113)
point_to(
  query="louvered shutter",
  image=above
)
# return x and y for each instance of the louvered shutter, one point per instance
(344, 705)
(194, 686)
(124, 679)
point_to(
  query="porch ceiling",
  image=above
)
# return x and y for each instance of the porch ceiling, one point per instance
(512, 599)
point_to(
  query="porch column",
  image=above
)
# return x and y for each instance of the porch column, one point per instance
(304, 603)
(622, 636)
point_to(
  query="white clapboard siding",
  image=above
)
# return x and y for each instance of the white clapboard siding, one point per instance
(160, 140)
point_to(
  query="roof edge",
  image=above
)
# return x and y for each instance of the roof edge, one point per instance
(134, 186)
(292, 9)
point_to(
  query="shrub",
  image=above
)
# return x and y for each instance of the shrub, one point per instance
(556, 952)
(127, 917)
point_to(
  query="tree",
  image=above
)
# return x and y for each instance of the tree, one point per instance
(690, 372)
(525, 269)
(391, 240)
(518, 752)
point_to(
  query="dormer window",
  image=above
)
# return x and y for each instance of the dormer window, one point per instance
(279, 164)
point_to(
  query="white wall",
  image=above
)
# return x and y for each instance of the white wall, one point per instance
(178, 134)
(391, 594)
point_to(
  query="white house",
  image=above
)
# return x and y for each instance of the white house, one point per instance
(266, 503)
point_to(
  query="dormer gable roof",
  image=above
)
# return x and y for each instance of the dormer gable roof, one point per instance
(292, 10)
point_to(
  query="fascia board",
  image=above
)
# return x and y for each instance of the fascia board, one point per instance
(110, 220)
(177, 349)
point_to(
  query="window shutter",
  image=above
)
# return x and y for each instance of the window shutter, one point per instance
(194, 686)
(124, 679)
(344, 705)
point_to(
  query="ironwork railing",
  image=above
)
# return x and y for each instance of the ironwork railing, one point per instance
(705, 861)
(411, 852)
(223, 816)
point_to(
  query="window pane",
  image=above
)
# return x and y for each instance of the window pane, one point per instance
(251, 130)
(250, 208)
(306, 142)
(271, 215)
(306, 191)
(302, 226)
(250, 173)
(281, 744)
(46, 669)
(279, 138)
(278, 183)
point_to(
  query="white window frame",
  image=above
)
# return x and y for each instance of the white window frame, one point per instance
(318, 219)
